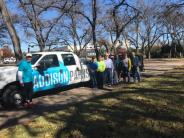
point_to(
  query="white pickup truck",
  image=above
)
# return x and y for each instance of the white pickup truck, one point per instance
(56, 69)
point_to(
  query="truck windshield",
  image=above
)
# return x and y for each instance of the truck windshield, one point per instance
(35, 58)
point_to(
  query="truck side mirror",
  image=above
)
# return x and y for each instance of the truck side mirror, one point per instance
(78, 69)
(42, 66)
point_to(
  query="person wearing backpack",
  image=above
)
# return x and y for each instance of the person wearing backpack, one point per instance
(119, 67)
(126, 67)
(114, 74)
(135, 67)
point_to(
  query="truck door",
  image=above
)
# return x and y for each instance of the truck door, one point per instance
(50, 74)
(71, 64)
(83, 70)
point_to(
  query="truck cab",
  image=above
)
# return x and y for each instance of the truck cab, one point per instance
(50, 70)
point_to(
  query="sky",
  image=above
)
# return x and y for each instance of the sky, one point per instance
(12, 7)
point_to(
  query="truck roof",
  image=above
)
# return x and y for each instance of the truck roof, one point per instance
(52, 52)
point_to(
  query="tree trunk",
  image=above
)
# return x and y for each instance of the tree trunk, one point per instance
(137, 50)
(94, 12)
(94, 41)
(11, 30)
(137, 36)
(149, 54)
(114, 48)
(143, 51)
(41, 42)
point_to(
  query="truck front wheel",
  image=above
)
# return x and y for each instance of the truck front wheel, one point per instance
(11, 96)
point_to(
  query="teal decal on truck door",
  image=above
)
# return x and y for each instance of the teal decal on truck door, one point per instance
(52, 75)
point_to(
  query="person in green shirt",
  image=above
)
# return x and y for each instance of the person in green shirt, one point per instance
(25, 78)
(100, 72)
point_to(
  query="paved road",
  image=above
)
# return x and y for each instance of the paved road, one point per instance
(47, 104)
(57, 101)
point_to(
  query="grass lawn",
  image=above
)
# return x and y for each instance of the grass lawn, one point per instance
(153, 108)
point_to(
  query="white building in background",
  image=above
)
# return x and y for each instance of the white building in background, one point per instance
(123, 44)
(71, 48)
(88, 50)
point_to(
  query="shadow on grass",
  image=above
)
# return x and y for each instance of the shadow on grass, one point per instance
(126, 118)
(130, 112)
(100, 117)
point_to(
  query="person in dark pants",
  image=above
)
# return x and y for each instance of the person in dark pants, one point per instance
(92, 71)
(119, 66)
(109, 70)
(135, 67)
(26, 79)
(100, 72)
(126, 67)
(115, 74)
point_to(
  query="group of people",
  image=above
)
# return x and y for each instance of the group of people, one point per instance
(108, 70)
(111, 70)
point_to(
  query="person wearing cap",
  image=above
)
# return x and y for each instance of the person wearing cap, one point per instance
(25, 79)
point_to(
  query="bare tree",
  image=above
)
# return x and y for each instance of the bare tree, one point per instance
(77, 33)
(147, 29)
(3, 31)
(14, 37)
(121, 14)
(42, 28)
(92, 21)
(7, 52)
(133, 34)
(173, 21)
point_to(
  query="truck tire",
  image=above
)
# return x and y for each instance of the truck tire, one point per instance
(11, 97)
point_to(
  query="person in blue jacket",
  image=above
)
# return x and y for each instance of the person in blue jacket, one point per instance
(25, 78)
(93, 66)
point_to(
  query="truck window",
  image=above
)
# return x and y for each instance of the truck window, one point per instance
(50, 61)
(68, 59)
(35, 58)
